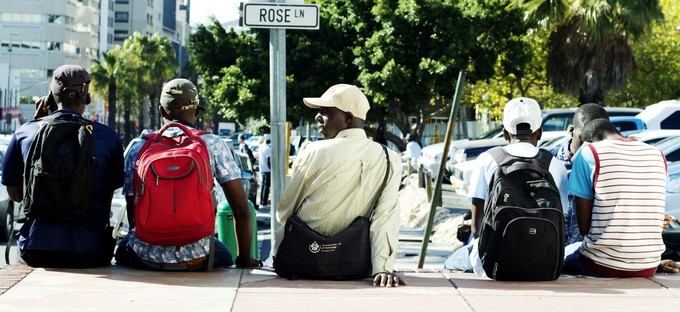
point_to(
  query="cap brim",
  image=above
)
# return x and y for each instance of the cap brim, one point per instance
(317, 102)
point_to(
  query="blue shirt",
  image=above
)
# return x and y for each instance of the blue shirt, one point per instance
(582, 175)
(89, 236)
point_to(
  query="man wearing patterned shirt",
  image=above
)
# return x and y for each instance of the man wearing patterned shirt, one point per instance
(183, 107)
(336, 179)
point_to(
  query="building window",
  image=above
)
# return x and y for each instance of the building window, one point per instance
(123, 1)
(122, 17)
(120, 35)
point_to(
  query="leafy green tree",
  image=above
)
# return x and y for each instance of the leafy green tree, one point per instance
(405, 54)
(589, 48)
(658, 63)
(410, 59)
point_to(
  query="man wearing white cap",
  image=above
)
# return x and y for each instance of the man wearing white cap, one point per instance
(337, 178)
(522, 129)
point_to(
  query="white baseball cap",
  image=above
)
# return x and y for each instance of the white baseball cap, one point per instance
(347, 98)
(522, 110)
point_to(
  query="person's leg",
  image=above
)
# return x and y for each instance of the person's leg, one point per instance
(127, 257)
(263, 183)
(223, 257)
(574, 265)
(266, 181)
(460, 259)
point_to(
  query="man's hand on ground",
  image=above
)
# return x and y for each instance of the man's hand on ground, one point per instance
(385, 279)
(668, 266)
(248, 262)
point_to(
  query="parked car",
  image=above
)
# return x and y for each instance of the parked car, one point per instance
(662, 115)
(670, 147)
(559, 119)
(6, 204)
(628, 125)
(459, 167)
(653, 136)
(431, 155)
(673, 190)
(555, 125)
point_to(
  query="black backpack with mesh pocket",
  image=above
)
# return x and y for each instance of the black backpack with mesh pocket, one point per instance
(60, 168)
(522, 236)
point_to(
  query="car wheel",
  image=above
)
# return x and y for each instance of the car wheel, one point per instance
(5, 220)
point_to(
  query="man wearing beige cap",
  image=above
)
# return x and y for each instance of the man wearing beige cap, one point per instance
(337, 178)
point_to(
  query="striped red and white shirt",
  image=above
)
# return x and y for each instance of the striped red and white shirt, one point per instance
(628, 193)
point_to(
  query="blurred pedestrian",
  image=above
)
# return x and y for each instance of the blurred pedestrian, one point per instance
(264, 152)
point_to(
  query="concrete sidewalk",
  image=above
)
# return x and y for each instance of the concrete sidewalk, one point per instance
(121, 289)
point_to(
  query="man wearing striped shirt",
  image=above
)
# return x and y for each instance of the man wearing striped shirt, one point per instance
(336, 179)
(619, 188)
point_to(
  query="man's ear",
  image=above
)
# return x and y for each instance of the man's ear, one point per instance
(163, 112)
(349, 117)
(88, 99)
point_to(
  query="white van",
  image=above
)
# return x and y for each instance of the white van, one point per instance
(662, 115)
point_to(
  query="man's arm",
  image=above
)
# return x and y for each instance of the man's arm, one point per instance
(477, 209)
(584, 213)
(16, 193)
(243, 222)
(385, 231)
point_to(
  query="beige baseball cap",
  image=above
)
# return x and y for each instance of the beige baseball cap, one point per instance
(347, 98)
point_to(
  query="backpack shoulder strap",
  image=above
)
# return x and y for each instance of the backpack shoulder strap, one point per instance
(543, 158)
(500, 156)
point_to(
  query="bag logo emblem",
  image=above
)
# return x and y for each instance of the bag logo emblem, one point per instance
(532, 231)
(505, 198)
(314, 247)
(170, 168)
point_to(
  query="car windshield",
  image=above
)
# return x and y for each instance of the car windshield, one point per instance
(490, 134)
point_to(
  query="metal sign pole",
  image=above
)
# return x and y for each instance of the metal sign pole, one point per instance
(440, 176)
(277, 88)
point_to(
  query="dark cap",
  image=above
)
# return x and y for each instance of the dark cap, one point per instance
(70, 81)
(179, 88)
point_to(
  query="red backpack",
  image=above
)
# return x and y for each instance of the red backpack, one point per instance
(173, 187)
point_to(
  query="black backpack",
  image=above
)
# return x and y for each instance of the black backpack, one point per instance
(60, 169)
(522, 236)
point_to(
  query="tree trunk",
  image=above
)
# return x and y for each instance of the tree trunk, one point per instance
(129, 127)
(112, 105)
(153, 112)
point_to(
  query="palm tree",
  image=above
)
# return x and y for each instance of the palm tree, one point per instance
(103, 75)
(589, 49)
(159, 65)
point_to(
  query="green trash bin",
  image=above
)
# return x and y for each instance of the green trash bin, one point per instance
(226, 231)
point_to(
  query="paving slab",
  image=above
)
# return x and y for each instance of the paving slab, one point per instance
(425, 292)
(569, 293)
(117, 288)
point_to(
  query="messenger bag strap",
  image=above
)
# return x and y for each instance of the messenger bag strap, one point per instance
(384, 183)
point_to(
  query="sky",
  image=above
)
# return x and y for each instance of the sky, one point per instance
(224, 10)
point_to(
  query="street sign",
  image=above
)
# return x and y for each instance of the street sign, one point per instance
(271, 15)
